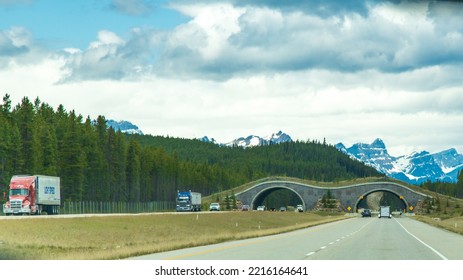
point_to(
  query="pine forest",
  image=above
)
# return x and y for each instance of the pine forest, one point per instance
(97, 163)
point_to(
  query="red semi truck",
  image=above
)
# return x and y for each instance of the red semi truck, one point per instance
(33, 195)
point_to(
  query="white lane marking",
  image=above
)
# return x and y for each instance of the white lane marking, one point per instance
(337, 240)
(422, 242)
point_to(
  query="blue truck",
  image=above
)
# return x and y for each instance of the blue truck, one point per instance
(188, 201)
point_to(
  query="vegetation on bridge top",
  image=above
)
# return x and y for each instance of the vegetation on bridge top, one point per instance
(440, 206)
(222, 195)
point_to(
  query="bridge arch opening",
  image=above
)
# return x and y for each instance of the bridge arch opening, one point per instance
(276, 197)
(382, 197)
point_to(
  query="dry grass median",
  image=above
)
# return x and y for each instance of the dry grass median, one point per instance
(115, 237)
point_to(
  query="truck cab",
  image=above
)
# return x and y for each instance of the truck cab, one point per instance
(21, 197)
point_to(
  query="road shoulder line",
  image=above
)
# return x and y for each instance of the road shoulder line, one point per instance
(422, 242)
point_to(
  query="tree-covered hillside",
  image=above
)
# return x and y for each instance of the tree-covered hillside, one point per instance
(98, 164)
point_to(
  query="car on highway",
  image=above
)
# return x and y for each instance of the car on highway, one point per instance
(299, 208)
(282, 209)
(245, 207)
(214, 206)
(261, 208)
(366, 213)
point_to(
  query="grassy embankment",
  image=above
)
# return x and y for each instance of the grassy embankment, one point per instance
(447, 213)
(454, 224)
(115, 237)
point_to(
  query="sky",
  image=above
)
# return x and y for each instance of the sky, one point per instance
(344, 71)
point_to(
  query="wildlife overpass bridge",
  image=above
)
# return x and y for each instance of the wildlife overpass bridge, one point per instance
(349, 196)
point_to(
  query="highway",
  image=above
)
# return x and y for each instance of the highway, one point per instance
(399, 238)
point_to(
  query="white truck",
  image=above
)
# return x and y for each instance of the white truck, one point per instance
(385, 211)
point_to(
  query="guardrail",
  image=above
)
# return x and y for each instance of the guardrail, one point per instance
(97, 207)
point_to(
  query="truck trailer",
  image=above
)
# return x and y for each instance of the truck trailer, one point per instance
(188, 201)
(33, 195)
(385, 211)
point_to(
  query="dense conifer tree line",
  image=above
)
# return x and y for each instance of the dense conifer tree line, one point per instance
(450, 189)
(96, 163)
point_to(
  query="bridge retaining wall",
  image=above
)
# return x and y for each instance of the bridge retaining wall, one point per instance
(349, 196)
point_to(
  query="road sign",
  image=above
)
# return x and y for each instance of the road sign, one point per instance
(349, 208)
(411, 208)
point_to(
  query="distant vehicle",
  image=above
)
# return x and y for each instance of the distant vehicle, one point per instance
(282, 209)
(188, 201)
(245, 207)
(33, 195)
(366, 213)
(214, 206)
(384, 211)
(261, 208)
(300, 208)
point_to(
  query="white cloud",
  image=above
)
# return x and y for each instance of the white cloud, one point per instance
(222, 41)
(106, 38)
(233, 71)
(217, 23)
(258, 105)
(14, 41)
(109, 57)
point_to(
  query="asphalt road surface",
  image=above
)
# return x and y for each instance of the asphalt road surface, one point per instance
(399, 238)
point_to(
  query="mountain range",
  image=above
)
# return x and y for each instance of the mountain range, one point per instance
(252, 140)
(415, 168)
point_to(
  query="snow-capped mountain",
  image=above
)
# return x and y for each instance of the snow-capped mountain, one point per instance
(415, 168)
(124, 126)
(253, 140)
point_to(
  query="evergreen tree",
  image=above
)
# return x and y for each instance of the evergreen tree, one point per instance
(24, 116)
(459, 185)
(102, 184)
(73, 162)
(133, 171)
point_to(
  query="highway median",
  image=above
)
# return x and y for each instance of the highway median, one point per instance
(118, 237)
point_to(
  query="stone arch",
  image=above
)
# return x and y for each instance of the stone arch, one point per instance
(261, 195)
(365, 194)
